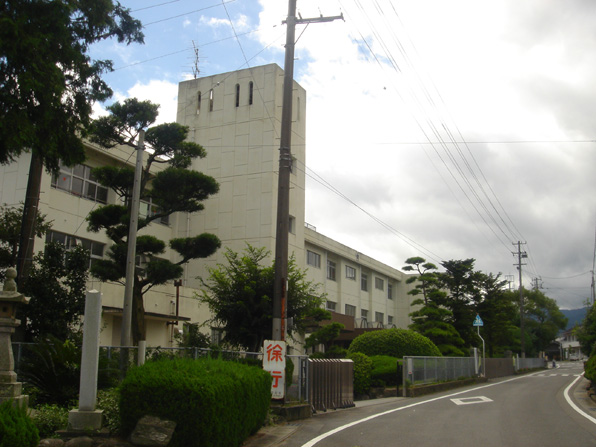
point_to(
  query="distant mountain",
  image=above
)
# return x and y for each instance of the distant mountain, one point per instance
(575, 316)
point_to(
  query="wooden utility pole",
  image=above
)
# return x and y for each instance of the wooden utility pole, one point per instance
(520, 255)
(285, 166)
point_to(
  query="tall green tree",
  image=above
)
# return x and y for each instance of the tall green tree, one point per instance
(543, 319)
(56, 285)
(240, 292)
(48, 80)
(431, 318)
(499, 314)
(48, 84)
(11, 218)
(173, 189)
(460, 280)
(586, 332)
(426, 276)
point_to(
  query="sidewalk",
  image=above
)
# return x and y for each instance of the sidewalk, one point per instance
(274, 435)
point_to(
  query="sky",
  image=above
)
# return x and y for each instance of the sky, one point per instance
(446, 130)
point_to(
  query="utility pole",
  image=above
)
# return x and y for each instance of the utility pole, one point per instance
(131, 257)
(537, 283)
(285, 165)
(521, 255)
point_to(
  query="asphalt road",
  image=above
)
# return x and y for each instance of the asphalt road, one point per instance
(542, 409)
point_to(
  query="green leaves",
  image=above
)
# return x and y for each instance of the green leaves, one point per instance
(239, 294)
(49, 83)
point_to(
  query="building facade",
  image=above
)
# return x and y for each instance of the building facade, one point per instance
(237, 118)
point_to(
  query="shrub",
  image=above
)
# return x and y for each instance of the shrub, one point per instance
(107, 400)
(16, 428)
(213, 402)
(394, 343)
(362, 372)
(50, 418)
(591, 370)
(384, 369)
(52, 368)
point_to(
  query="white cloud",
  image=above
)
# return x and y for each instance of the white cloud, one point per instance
(159, 92)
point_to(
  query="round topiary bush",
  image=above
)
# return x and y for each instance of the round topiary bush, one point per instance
(395, 343)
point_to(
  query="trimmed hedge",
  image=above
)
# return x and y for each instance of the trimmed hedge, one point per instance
(395, 343)
(16, 428)
(362, 372)
(213, 402)
(384, 369)
(590, 369)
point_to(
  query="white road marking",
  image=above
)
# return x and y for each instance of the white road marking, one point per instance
(575, 407)
(471, 400)
(316, 440)
(374, 416)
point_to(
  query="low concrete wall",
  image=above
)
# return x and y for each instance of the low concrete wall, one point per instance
(423, 390)
(499, 368)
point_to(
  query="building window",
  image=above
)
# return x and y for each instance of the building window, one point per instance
(313, 259)
(80, 181)
(69, 241)
(379, 317)
(198, 102)
(331, 270)
(250, 92)
(389, 291)
(350, 272)
(379, 283)
(292, 225)
(364, 282)
(216, 336)
(237, 95)
(389, 319)
(350, 310)
(331, 305)
(211, 100)
(364, 314)
(148, 209)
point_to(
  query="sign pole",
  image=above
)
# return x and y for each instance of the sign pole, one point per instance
(478, 322)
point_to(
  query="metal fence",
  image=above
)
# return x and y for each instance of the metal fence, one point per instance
(529, 363)
(297, 389)
(421, 370)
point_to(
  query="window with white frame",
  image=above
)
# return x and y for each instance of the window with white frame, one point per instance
(69, 241)
(79, 181)
(379, 317)
(331, 270)
(364, 282)
(389, 319)
(350, 272)
(350, 310)
(313, 259)
(379, 283)
(148, 209)
(389, 291)
(331, 305)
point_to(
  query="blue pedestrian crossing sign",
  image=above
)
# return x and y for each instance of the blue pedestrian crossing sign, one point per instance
(478, 321)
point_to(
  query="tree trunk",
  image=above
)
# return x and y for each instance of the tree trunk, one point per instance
(27, 239)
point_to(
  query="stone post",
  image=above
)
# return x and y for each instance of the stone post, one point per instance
(87, 417)
(9, 298)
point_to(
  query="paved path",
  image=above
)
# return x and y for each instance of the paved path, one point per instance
(535, 409)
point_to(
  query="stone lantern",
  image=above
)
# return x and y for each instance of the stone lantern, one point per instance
(9, 299)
